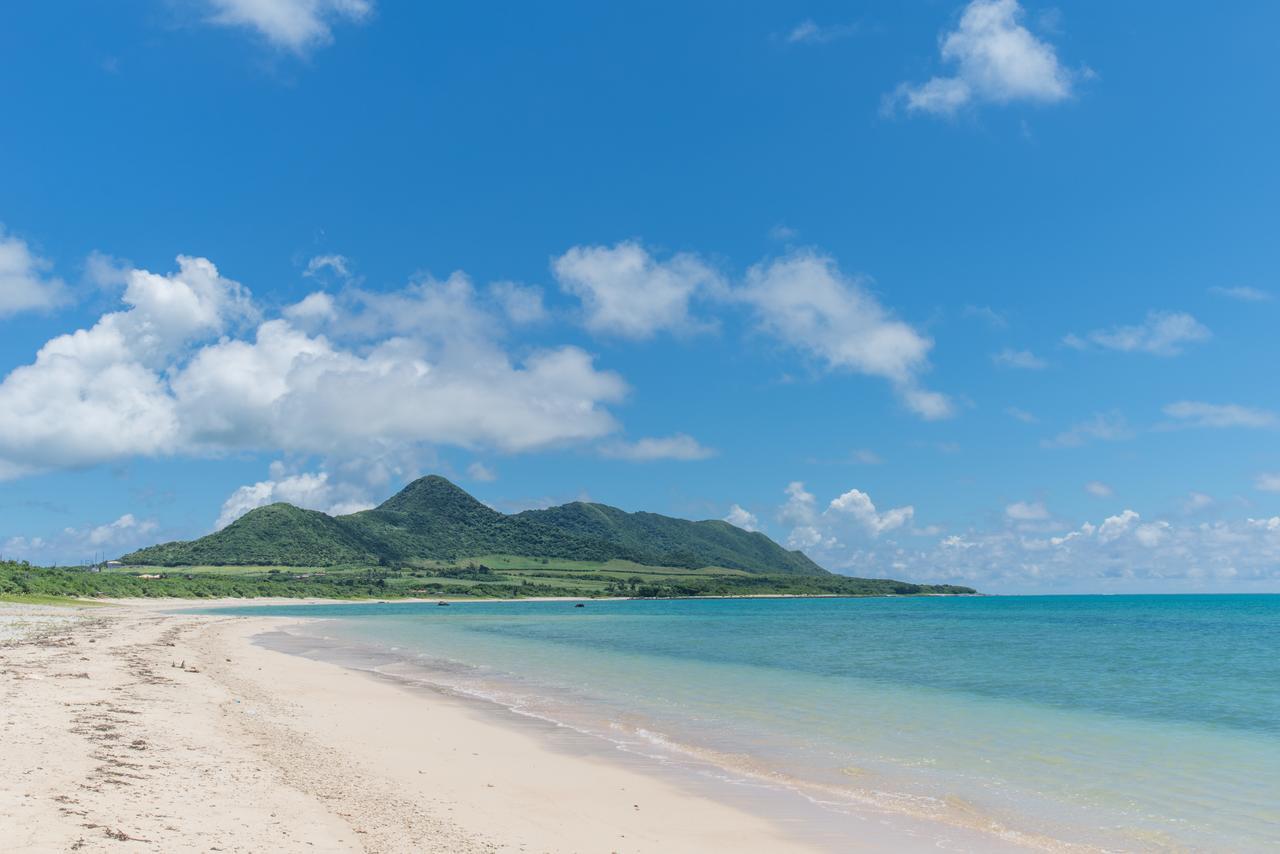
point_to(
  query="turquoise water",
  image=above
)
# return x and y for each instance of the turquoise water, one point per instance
(1123, 722)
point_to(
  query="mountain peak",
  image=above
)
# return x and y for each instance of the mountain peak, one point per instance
(434, 495)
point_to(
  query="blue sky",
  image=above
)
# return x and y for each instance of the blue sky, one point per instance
(978, 292)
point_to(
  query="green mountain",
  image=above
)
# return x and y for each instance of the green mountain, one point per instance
(431, 519)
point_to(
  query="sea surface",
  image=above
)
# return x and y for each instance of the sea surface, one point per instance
(1112, 722)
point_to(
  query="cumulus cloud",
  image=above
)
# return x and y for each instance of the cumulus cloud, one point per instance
(1162, 333)
(801, 505)
(625, 291)
(171, 373)
(522, 304)
(858, 505)
(1106, 427)
(314, 310)
(1195, 413)
(24, 281)
(849, 516)
(996, 59)
(677, 447)
(1024, 359)
(310, 490)
(804, 300)
(742, 518)
(295, 25)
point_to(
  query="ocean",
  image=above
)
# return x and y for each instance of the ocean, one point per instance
(1112, 722)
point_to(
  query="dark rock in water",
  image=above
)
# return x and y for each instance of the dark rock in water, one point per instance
(442, 604)
(580, 605)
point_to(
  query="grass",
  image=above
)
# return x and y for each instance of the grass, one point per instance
(215, 570)
(37, 599)
(497, 576)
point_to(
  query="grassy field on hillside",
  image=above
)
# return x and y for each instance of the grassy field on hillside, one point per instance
(511, 577)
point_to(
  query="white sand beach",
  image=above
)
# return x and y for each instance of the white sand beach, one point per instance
(128, 728)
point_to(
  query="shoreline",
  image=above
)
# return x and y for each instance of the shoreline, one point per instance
(346, 758)
(174, 731)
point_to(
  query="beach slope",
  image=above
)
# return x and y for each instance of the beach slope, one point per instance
(128, 728)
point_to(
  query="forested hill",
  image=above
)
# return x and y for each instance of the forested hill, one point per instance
(432, 519)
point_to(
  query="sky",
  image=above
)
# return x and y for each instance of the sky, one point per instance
(982, 293)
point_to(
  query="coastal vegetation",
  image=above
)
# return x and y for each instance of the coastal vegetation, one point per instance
(508, 577)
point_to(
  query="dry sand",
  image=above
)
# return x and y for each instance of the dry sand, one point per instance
(129, 729)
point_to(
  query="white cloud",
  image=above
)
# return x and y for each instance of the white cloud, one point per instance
(804, 300)
(170, 374)
(522, 304)
(1152, 534)
(309, 490)
(809, 32)
(1162, 333)
(73, 545)
(297, 25)
(1025, 359)
(1098, 489)
(100, 393)
(1024, 511)
(1021, 415)
(677, 447)
(481, 473)
(858, 505)
(1268, 482)
(801, 505)
(1114, 527)
(851, 515)
(313, 310)
(337, 264)
(625, 291)
(1194, 413)
(742, 518)
(24, 283)
(1121, 553)
(1107, 427)
(997, 60)
(866, 457)
(1243, 293)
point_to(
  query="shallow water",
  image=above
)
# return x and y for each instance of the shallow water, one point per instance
(1122, 722)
